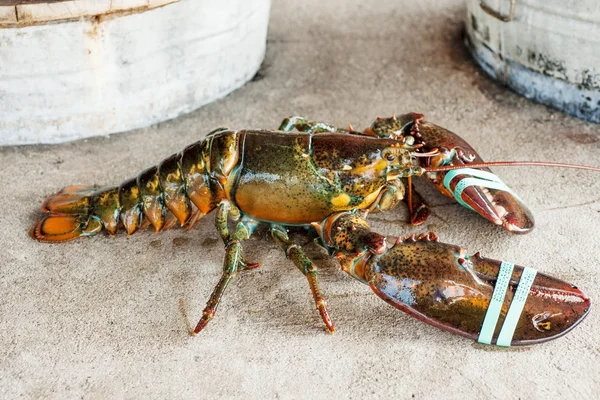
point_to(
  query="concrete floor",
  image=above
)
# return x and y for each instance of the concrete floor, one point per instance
(100, 318)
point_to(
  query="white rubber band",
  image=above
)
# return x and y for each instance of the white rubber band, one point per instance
(516, 307)
(495, 307)
(488, 180)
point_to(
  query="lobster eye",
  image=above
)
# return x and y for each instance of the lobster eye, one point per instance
(390, 157)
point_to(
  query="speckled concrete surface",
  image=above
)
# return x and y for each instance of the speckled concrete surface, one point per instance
(100, 318)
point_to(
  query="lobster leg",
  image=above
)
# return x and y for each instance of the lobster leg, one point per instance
(233, 262)
(302, 125)
(307, 267)
(395, 191)
(419, 211)
(224, 212)
(221, 218)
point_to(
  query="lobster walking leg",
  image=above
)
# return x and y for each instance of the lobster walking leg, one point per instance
(232, 263)
(302, 125)
(225, 211)
(307, 267)
(221, 218)
(419, 211)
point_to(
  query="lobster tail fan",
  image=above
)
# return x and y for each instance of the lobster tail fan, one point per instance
(70, 200)
(69, 216)
(57, 228)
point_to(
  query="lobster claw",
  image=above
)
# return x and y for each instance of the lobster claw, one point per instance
(477, 189)
(487, 300)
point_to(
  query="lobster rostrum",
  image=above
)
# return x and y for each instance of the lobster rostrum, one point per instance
(327, 180)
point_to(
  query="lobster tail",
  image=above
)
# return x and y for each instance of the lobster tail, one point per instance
(181, 188)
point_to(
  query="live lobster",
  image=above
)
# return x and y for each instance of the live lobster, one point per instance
(328, 179)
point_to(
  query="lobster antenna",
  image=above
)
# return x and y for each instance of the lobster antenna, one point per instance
(510, 164)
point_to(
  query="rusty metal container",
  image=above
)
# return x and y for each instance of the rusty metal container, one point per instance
(546, 50)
